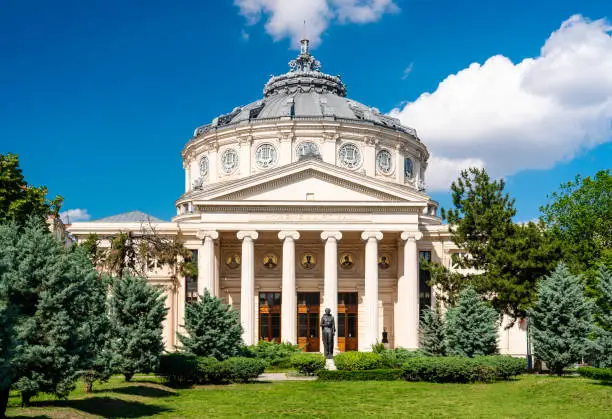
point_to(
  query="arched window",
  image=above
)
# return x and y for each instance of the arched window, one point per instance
(408, 169)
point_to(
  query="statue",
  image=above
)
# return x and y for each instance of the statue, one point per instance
(328, 329)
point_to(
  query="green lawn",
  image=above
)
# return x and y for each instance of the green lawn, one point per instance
(527, 397)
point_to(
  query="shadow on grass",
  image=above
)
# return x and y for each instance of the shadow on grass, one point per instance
(30, 417)
(107, 407)
(144, 391)
(603, 383)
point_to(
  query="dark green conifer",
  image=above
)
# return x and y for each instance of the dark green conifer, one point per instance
(432, 332)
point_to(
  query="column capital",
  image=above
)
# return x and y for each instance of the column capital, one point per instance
(366, 235)
(202, 234)
(411, 235)
(253, 235)
(331, 235)
(288, 234)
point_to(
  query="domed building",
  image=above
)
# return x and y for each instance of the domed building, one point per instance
(301, 201)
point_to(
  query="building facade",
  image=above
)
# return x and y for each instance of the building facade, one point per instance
(300, 201)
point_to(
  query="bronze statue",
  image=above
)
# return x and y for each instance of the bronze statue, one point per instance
(328, 328)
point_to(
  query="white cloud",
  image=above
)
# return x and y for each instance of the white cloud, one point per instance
(531, 115)
(285, 18)
(407, 71)
(73, 215)
(244, 35)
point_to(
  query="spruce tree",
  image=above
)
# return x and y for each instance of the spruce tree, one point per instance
(471, 326)
(432, 332)
(213, 328)
(604, 318)
(137, 312)
(561, 320)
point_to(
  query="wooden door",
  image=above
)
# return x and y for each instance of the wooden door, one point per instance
(347, 321)
(308, 321)
(270, 316)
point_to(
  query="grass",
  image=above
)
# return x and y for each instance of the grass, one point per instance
(527, 397)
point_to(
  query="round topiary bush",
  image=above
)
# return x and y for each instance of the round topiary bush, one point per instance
(359, 361)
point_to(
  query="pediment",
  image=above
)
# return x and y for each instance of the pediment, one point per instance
(314, 180)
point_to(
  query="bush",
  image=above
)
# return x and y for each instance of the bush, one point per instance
(236, 370)
(179, 368)
(369, 375)
(307, 363)
(602, 374)
(448, 370)
(505, 366)
(275, 354)
(359, 361)
(395, 358)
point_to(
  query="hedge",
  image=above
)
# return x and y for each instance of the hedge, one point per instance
(367, 375)
(505, 366)
(179, 368)
(275, 354)
(602, 374)
(359, 361)
(395, 358)
(235, 370)
(307, 363)
(454, 369)
(184, 368)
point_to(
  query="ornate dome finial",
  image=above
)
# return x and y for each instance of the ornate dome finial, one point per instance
(305, 61)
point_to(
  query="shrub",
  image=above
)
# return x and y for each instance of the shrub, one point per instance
(275, 354)
(207, 369)
(359, 361)
(395, 358)
(307, 363)
(179, 368)
(369, 375)
(448, 370)
(602, 374)
(505, 366)
(236, 370)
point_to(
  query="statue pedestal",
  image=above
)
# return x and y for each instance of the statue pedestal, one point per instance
(329, 365)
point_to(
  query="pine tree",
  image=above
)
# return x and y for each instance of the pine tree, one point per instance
(604, 318)
(432, 332)
(213, 328)
(137, 312)
(471, 326)
(561, 320)
(48, 297)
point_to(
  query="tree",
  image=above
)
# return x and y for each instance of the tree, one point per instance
(213, 328)
(603, 331)
(509, 258)
(449, 283)
(471, 326)
(46, 300)
(18, 200)
(579, 215)
(137, 312)
(432, 332)
(561, 321)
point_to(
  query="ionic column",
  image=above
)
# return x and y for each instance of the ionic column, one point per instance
(330, 281)
(407, 321)
(371, 287)
(288, 294)
(247, 286)
(206, 261)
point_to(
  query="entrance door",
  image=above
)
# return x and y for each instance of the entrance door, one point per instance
(347, 321)
(270, 316)
(308, 321)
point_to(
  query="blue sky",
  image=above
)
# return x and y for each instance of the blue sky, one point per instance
(99, 97)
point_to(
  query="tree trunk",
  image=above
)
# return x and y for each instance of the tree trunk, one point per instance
(128, 376)
(4, 396)
(88, 386)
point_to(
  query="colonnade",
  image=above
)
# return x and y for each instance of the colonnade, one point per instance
(407, 305)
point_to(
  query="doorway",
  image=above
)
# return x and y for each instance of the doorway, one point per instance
(308, 321)
(347, 321)
(270, 316)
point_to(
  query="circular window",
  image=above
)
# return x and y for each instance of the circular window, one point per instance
(229, 160)
(383, 162)
(203, 166)
(350, 156)
(408, 168)
(307, 149)
(265, 156)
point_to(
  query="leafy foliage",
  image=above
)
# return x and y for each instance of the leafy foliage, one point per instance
(367, 375)
(603, 331)
(49, 298)
(471, 327)
(461, 369)
(213, 328)
(432, 332)
(394, 358)
(236, 370)
(450, 283)
(602, 374)
(179, 368)
(358, 361)
(275, 354)
(561, 321)
(18, 200)
(137, 312)
(307, 363)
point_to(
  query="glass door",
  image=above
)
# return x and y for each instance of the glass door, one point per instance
(347, 321)
(308, 321)
(270, 316)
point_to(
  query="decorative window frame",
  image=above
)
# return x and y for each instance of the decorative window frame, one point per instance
(297, 156)
(359, 150)
(391, 171)
(222, 166)
(256, 148)
(204, 175)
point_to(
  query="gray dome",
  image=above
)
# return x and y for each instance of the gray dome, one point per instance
(304, 93)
